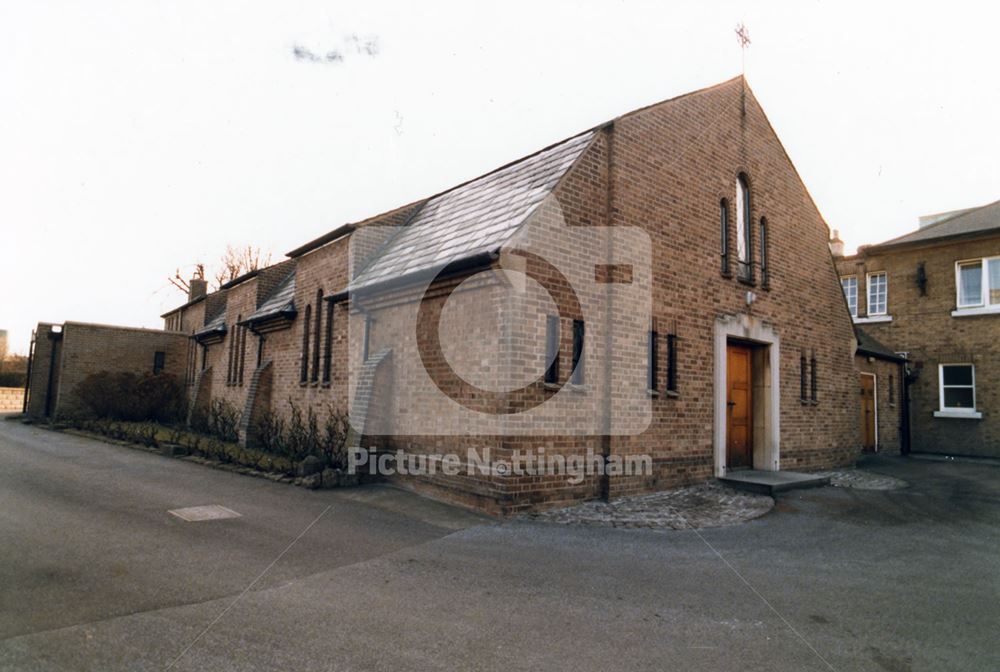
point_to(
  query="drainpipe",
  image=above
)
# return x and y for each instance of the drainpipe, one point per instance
(608, 320)
(27, 378)
(904, 442)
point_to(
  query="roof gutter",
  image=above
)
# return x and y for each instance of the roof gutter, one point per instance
(433, 274)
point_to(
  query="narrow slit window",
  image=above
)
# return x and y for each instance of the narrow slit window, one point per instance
(317, 331)
(813, 381)
(306, 322)
(328, 342)
(671, 362)
(652, 373)
(243, 351)
(803, 377)
(892, 390)
(230, 352)
(159, 361)
(744, 233)
(724, 235)
(366, 341)
(579, 332)
(552, 349)
(764, 252)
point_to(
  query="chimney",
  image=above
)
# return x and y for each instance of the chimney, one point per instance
(197, 288)
(836, 244)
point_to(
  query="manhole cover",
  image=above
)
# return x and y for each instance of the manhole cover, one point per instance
(194, 514)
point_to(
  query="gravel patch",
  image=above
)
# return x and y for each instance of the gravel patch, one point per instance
(862, 480)
(697, 506)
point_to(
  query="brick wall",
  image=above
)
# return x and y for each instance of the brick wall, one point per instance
(11, 399)
(889, 406)
(663, 169)
(923, 326)
(92, 348)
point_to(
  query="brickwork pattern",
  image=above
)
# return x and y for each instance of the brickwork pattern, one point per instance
(923, 326)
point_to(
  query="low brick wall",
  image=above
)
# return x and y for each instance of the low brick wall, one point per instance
(11, 399)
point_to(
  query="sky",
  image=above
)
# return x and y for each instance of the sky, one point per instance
(138, 138)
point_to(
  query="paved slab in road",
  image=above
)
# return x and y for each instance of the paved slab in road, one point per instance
(95, 575)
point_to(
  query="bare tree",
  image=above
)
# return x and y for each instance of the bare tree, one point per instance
(238, 261)
(234, 263)
(182, 283)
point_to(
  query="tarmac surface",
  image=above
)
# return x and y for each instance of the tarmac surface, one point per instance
(95, 574)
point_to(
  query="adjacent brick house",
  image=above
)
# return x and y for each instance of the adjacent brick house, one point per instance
(934, 294)
(743, 353)
(63, 355)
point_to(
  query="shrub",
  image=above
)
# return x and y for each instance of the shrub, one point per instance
(127, 396)
(224, 420)
(12, 378)
(335, 431)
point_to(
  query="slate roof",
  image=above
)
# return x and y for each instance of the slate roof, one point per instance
(965, 222)
(870, 346)
(476, 217)
(215, 325)
(280, 303)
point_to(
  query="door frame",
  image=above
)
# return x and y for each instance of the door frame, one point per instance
(875, 400)
(766, 383)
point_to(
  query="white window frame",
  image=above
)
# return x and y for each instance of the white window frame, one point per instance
(951, 412)
(868, 294)
(983, 306)
(853, 309)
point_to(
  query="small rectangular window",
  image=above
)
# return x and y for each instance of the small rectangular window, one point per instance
(652, 366)
(892, 390)
(671, 363)
(957, 387)
(878, 291)
(978, 282)
(159, 361)
(577, 377)
(552, 349)
(850, 285)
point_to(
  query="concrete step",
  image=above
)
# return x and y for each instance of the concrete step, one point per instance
(771, 482)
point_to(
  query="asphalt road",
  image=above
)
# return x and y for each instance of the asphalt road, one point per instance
(96, 575)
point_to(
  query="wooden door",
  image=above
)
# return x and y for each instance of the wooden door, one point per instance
(739, 405)
(868, 437)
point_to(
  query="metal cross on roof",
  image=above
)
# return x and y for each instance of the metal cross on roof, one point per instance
(743, 35)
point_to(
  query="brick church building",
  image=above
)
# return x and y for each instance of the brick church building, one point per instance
(709, 334)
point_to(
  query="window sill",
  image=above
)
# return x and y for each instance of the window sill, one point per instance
(809, 402)
(326, 384)
(968, 312)
(653, 393)
(960, 415)
(577, 387)
(673, 394)
(873, 319)
(552, 386)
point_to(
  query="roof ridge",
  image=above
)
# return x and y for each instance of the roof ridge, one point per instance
(959, 214)
(421, 202)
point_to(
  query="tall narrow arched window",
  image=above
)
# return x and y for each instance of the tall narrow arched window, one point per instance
(317, 331)
(306, 321)
(765, 278)
(724, 235)
(744, 233)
